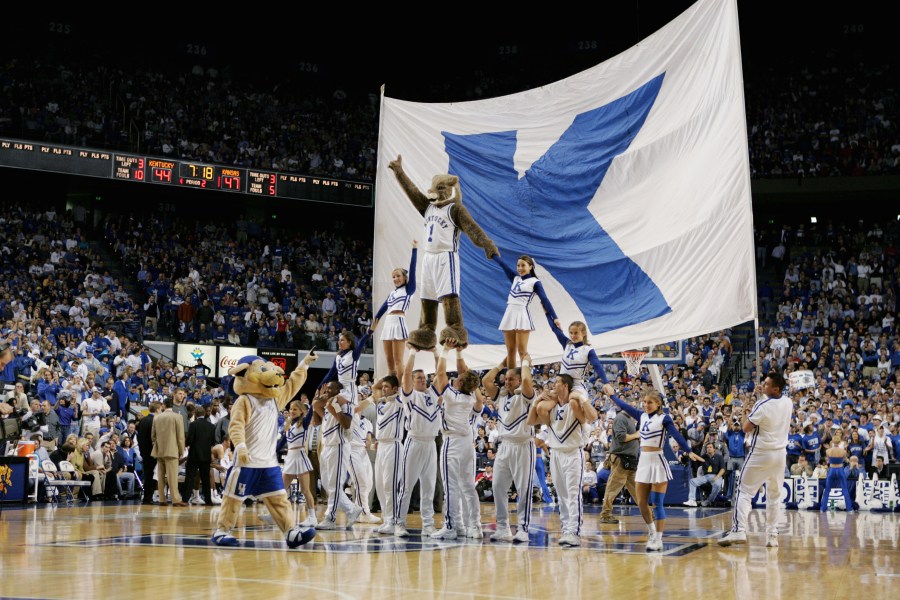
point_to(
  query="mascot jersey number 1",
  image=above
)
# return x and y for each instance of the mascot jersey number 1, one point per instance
(445, 216)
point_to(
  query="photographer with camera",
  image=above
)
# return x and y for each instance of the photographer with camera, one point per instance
(67, 410)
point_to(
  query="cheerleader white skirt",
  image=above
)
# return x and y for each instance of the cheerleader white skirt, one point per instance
(296, 462)
(516, 318)
(394, 328)
(653, 468)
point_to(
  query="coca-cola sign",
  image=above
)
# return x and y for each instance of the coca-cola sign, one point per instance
(230, 355)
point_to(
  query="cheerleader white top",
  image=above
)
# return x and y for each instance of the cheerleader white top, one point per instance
(458, 412)
(400, 297)
(576, 357)
(391, 419)
(345, 365)
(653, 427)
(522, 290)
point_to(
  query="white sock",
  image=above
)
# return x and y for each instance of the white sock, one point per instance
(652, 528)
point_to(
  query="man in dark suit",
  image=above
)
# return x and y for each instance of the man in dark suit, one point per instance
(145, 444)
(201, 437)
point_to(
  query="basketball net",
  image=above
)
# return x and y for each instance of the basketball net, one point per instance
(633, 360)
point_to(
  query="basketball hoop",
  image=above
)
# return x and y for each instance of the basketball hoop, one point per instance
(633, 360)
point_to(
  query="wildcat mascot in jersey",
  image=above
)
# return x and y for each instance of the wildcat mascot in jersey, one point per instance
(445, 217)
(263, 394)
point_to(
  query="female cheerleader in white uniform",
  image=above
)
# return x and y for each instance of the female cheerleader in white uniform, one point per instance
(577, 353)
(296, 462)
(653, 473)
(517, 323)
(394, 334)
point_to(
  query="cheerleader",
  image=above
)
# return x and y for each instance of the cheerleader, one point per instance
(517, 324)
(394, 334)
(296, 462)
(653, 473)
(346, 363)
(577, 353)
(837, 476)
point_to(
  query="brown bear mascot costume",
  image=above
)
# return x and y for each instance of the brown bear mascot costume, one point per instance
(445, 216)
(264, 392)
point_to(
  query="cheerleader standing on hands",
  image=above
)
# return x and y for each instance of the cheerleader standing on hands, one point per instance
(395, 333)
(517, 323)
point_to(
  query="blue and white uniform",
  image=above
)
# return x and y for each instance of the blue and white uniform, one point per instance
(517, 316)
(514, 462)
(361, 473)
(344, 370)
(765, 463)
(296, 461)
(652, 465)
(566, 440)
(261, 476)
(388, 457)
(423, 418)
(397, 304)
(575, 359)
(334, 463)
(440, 263)
(458, 460)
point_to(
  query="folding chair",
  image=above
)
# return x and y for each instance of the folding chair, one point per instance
(51, 484)
(67, 467)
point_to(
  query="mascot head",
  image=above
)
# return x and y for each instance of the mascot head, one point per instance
(256, 376)
(444, 190)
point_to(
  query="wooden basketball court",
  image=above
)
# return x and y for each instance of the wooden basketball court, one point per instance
(135, 551)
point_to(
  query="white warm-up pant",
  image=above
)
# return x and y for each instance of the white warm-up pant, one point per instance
(567, 470)
(458, 473)
(761, 467)
(388, 465)
(361, 474)
(419, 464)
(334, 462)
(514, 464)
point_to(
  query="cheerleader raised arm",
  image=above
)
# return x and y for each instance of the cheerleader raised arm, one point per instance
(394, 333)
(517, 323)
(577, 353)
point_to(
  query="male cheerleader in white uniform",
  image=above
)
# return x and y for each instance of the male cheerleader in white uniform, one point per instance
(461, 402)
(423, 413)
(336, 416)
(388, 454)
(514, 462)
(566, 415)
(360, 465)
(767, 422)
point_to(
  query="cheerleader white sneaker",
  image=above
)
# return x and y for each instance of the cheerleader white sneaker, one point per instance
(309, 521)
(521, 536)
(473, 532)
(445, 533)
(733, 537)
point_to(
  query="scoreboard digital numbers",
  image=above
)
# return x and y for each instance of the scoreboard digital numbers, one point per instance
(105, 164)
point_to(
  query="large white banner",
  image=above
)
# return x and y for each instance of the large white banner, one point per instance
(628, 183)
